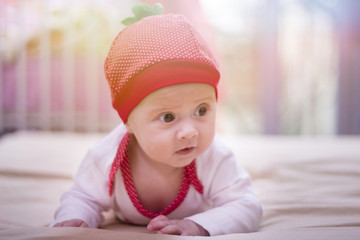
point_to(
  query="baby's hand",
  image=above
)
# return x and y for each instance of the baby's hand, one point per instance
(163, 225)
(72, 223)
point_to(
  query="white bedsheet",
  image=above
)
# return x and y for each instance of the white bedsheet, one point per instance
(309, 187)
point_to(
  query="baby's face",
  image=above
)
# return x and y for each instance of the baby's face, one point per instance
(175, 124)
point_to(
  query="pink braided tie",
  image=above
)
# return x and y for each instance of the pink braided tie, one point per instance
(120, 155)
(122, 161)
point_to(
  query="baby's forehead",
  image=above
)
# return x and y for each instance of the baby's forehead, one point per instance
(179, 94)
(194, 90)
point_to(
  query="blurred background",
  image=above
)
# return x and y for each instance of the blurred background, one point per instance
(289, 67)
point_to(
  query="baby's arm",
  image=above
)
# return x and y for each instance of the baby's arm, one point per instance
(163, 225)
(87, 198)
(228, 187)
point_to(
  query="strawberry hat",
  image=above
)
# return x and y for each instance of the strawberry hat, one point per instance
(156, 52)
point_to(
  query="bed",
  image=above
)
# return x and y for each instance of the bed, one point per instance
(309, 187)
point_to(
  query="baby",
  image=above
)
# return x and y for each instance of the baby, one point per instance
(162, 167)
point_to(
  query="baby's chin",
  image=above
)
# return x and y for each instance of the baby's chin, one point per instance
(185, 157)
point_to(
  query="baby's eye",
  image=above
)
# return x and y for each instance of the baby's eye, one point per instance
(167, 117)
(201, 111)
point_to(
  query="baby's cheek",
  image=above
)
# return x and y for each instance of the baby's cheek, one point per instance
(208, 138)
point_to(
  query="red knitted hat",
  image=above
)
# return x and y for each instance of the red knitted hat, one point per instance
(156, 52)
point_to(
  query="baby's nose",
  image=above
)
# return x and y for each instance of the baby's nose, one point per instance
(187, 131)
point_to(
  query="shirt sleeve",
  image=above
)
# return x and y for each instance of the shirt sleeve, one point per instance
(87, 198)
(89, 195)
(227, 186)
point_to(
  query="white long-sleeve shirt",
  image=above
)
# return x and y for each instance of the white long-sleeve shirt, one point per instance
(227, 205)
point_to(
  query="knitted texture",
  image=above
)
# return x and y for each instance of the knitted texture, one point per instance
(120, 155)
(148, 42)
(122, 161)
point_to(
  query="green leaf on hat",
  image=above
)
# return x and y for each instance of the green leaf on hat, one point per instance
(142, 10)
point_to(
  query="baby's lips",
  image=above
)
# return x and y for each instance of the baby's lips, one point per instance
(186, 150)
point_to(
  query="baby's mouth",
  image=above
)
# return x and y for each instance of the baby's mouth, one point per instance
(186, 150)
